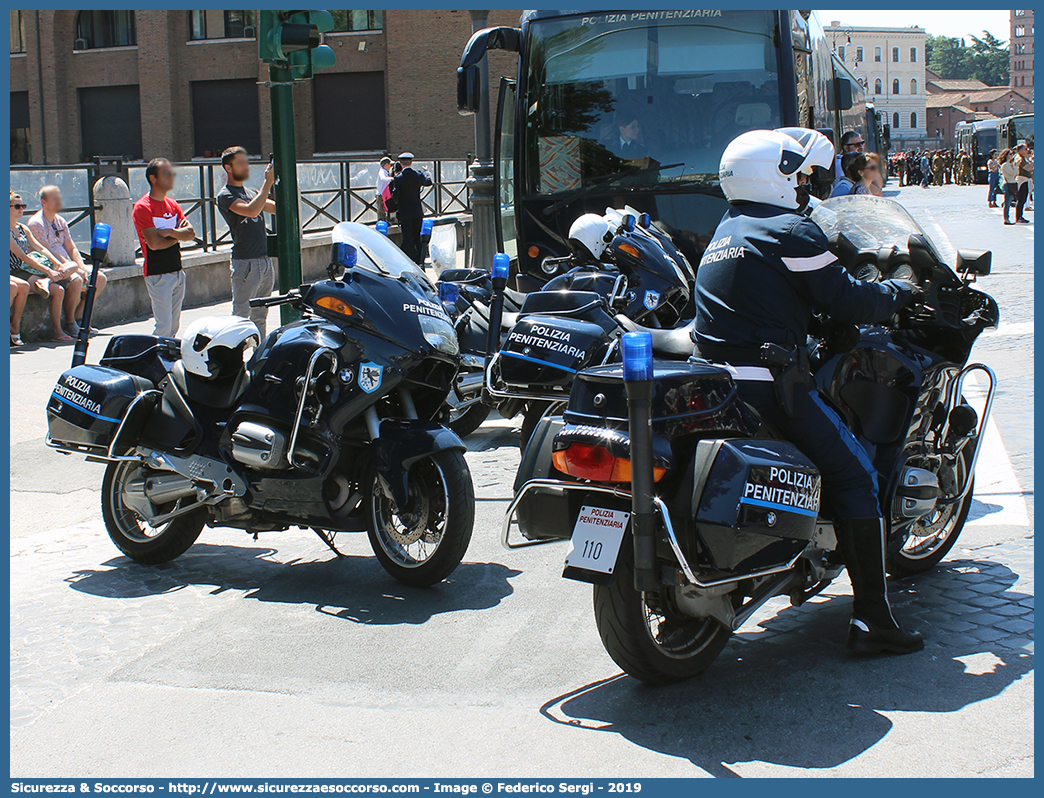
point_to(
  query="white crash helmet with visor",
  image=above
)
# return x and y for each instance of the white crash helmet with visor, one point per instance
(218, 346)
(763, 166)
(588, 237)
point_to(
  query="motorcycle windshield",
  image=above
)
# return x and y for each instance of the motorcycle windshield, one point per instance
(875, 222)
(376, 252)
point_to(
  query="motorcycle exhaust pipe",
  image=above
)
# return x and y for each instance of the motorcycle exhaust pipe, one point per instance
(166, 488)
(501, 266)
(469, 384)
(638, 374)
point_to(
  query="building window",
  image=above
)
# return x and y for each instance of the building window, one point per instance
(222, 25)
(110, 121)
(895, 120)
(877, 54)
(840, 50)
(859, 54)
(1020, 30)
(913, 86)
(895, 86)
(895, 55)
(913, 55)
(20, 127)
(352, 116)
(877, 86)
(17, 32)
(913, 121)
(96, 29)
(358, 20)
(225, 114)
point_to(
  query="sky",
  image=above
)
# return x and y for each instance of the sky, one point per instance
(935, 22)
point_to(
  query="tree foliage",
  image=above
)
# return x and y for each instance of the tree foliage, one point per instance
(986, 59)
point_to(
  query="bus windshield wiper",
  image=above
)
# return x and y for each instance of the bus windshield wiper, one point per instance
(602, 183)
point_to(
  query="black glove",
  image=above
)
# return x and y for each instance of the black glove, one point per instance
(908, 292)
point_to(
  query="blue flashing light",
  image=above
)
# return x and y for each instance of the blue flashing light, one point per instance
(426, 227)
(100, 238)
(645, 221)
(345, 254)
(628, 223)
(382, 227)
(637, 356)
(501, 265)
(449, 293)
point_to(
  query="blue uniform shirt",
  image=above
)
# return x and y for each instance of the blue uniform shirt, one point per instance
(766, 270)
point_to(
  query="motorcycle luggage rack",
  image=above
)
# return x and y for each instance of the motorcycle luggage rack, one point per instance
(987, 408)
(94, 454)
(561, 396)
(661, 509)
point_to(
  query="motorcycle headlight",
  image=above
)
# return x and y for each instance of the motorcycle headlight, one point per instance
(440, 334)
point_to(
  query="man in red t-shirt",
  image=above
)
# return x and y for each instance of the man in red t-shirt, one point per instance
(162, 226)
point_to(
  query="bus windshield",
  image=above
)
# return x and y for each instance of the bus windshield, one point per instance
(659, 94)
(1024, 128)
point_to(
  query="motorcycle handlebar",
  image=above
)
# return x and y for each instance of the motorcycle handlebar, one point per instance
(271, 301)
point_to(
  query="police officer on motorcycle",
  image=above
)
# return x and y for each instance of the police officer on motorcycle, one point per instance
(764, 273)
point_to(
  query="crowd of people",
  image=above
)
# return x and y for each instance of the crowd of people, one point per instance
(931, 167)
(45, 260)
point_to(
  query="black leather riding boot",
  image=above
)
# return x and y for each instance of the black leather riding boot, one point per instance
(873, 629)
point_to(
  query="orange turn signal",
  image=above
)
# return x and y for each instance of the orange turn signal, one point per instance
(335, 304)
(630, 249)
(586, 461)
(534, 251)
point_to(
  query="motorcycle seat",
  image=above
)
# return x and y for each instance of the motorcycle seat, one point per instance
(672, 343)
(221, 392)
(508, 319)
(513, 299)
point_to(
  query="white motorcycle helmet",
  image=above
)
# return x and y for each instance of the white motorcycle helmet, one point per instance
(587, 237)
(217, 346)
(763, 165)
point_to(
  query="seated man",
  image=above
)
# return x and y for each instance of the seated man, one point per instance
(52, 231)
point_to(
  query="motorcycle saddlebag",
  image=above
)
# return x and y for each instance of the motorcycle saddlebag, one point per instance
(87, 405)
(756, 507)
(546, 352)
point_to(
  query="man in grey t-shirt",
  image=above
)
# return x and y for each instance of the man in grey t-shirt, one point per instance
(253, 274)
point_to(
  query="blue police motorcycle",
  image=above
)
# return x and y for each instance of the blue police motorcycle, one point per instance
(688, 512)
(332, 424)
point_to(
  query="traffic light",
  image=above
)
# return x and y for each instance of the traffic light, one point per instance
(291, 40)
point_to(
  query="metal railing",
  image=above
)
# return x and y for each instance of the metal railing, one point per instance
(331, 191)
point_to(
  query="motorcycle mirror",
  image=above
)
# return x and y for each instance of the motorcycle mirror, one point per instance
(974, 263)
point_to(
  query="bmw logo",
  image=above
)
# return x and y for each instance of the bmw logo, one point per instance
(770, 519)
(346, 375)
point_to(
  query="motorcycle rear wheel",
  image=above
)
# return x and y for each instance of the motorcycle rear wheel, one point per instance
(648, 637)
(423, 543)
(920, 554)
(132, 535)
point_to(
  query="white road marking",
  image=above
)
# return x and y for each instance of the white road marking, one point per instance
(1000, 500)
(1012, 328)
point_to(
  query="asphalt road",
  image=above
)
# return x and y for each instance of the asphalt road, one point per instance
(273, 658)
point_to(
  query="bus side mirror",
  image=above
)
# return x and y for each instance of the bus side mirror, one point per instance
(840, 99)
(886, 135)
(469, 83)
(823, 178)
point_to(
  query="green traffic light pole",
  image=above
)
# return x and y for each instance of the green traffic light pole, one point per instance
(287, 221)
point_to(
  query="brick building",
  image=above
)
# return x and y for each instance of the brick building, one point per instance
(1021, 50)
(185, 84)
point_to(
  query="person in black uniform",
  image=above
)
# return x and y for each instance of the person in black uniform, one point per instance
(765, 271)
(406, 188)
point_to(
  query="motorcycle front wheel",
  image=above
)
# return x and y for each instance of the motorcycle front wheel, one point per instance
(132, 535)
(646, 634)
(422, 543)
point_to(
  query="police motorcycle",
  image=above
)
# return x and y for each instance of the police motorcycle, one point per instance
(627, 275)
(622, 257)
(688, 513)
(329, 424)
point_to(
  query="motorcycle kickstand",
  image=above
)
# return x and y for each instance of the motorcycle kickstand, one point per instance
(799, 597)
(328, 539)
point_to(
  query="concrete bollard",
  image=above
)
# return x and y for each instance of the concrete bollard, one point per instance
(113, 199)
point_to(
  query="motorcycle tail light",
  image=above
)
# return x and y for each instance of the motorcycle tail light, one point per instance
(596, 463)
(335, 304)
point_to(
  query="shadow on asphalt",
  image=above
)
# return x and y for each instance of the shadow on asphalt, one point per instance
(352, 588)
(789, 695)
